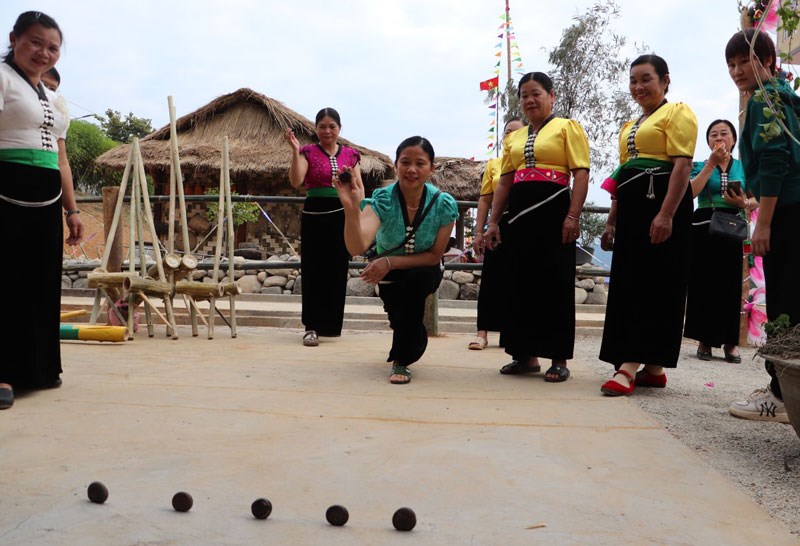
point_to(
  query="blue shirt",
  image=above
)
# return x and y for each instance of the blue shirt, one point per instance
(392, 231)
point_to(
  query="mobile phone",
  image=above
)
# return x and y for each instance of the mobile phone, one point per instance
(735, 186)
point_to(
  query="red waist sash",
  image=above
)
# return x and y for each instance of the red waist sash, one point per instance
(535, 174)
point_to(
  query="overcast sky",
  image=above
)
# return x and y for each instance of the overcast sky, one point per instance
(392, 68)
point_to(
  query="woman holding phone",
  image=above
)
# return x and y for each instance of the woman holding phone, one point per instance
(714, 293)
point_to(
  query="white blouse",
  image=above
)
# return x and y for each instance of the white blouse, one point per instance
(26, 122)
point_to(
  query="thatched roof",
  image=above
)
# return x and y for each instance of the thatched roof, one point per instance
(254, 125)
(459, 177)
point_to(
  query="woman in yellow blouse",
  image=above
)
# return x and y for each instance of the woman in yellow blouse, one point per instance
(543, 223)
(648, 229)
(491, 299)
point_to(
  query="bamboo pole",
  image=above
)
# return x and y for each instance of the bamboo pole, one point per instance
(148, 286)
(171, 328)
(231, 289)
(91, 332)
(176, 165)
(199, 289)
(231, 235)
(172, 261)
(112, 231)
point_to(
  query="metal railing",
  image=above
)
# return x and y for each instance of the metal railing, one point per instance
(265, 265)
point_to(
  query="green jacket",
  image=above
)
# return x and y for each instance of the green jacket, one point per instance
(772, 168)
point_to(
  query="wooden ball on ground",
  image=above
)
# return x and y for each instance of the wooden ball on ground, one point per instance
(337, 515)
(182, 501)
(261, 508)
(98, 493)
(404, 519)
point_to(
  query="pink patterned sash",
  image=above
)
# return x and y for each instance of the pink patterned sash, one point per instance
(535, 174)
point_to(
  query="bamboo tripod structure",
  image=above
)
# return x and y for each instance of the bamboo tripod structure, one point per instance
(181, 267)
(138, 286)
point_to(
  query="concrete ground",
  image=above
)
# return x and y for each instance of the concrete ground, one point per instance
(479, 457)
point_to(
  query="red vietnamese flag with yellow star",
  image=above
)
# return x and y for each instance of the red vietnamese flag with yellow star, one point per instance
(488, 85)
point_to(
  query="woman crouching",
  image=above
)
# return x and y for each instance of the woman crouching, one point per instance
(410, 222)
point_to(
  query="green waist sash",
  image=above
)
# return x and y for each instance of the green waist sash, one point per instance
(322, 192)
(34, 158)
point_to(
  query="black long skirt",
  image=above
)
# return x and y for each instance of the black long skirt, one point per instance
(647, 291)
(34, 240)
(493, 295)
(714, 295)
(403, 292)
(780, 273)
(541, 313)
(325, 260)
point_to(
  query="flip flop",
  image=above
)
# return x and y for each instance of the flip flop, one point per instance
(310, 339)
(561, 371)
(402, 371)
(478, 344)
(515, 367)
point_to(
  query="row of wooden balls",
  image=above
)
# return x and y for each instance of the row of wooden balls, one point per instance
(404, 519)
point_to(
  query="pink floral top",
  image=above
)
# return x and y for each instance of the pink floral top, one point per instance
(322, 167)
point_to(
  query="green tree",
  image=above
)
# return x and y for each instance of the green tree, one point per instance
(590, 79)
(85, 142)
(122, 129)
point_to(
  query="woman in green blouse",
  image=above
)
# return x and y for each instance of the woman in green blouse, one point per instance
(714, 295)
(410, 222)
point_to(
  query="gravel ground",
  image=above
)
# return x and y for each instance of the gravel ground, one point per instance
(762, 458)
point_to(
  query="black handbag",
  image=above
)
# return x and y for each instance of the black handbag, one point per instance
(728, 226)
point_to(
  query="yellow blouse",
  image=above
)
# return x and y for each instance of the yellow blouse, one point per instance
(670, 131)
(491, 176)
(561, 145)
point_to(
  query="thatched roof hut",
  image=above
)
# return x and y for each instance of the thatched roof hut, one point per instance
(459, 177)
(254, 125)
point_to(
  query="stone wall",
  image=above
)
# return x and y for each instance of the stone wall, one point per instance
(456, 285)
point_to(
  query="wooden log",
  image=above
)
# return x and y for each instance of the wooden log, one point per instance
(199, 289)
(148, 286)
(110, 196)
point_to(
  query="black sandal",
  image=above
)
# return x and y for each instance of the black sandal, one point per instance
(557, 369)
(515, 367)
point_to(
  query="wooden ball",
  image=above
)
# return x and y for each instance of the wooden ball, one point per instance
(261, 508)
(404, 519)
(337, 515)
(98, 493)
(182, 501)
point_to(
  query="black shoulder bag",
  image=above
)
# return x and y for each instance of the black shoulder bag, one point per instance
(723, 225)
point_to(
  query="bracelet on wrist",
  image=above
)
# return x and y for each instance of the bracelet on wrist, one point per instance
(388, 263)
(576, 218)
(70, 212)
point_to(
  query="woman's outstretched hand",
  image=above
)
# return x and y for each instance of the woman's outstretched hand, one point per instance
(350, 193)
(292, 140)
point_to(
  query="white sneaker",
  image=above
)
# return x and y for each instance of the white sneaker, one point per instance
(761, 405)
